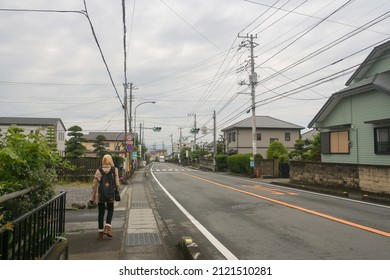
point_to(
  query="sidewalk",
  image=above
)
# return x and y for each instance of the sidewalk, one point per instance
(136, 234)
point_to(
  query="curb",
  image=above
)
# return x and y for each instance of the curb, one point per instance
(190, 249)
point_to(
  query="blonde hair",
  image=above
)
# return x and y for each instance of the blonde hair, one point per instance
(107, 160)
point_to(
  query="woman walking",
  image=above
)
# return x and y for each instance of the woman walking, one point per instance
(105, 183)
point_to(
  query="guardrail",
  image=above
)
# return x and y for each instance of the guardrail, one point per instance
(36, 233)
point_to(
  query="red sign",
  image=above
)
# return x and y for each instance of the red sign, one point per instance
(129, 137)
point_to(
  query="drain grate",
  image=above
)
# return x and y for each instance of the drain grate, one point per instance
(139, 239)
(139, 204)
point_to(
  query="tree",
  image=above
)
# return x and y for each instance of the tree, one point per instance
(300, 151)
(100, 146)
(74, 147)
(221, 144)
(26, 161)
(51, 138)
(277, 150)
(314, 149)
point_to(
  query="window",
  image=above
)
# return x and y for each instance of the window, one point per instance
(382, 140)
(287, 136)
(231, 137)
(273, 140)
(336, 142)
(258, 136)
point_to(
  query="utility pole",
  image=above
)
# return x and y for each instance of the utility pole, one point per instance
(172, 144)
(195, 132)
(180, 144)
(180, 139)
(125, 111)
(215, 142)
(127, 163)
(130, 106)
(252, 83)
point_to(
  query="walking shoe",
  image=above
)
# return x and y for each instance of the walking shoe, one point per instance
(100, 236)
(107, 230)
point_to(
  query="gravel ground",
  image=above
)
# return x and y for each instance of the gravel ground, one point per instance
(79, 195)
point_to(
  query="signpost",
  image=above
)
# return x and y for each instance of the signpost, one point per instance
(129, 147)
(129, 142)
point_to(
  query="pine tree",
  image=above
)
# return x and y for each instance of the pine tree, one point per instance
(74, 147)
(100, 146)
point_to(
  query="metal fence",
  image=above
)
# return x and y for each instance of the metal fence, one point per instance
(34, 234)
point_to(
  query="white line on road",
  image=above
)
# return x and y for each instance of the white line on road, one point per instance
(224, 251)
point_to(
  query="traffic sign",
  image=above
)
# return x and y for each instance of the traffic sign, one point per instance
(129, 147)
(129, 137)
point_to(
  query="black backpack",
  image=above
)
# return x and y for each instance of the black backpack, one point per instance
(107, 186)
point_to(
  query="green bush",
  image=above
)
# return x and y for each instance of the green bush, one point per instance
(26, 161)
(221, 161)
(278, 151)
(239, 164)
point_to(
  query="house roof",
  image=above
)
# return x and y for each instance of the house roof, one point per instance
(379, 82)
(367, 63)
(30, 121)
(309, 135)
(264, 122)
(110, 136)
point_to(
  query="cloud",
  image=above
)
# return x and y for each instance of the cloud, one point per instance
(181, 54)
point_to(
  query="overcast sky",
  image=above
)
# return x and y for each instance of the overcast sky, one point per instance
(185, 56)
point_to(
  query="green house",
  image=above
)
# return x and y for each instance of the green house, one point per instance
(355, 122)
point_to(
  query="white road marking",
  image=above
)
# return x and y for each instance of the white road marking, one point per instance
(220, 247)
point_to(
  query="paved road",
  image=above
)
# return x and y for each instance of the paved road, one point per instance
(232, 217)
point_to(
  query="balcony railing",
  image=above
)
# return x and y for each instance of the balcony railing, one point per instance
(34, 234)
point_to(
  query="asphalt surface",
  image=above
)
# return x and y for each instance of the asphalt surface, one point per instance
(139, 232)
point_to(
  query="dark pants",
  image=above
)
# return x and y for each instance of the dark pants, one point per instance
(102, 210)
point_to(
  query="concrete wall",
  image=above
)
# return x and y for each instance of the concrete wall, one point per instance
(269, 168)
(370, 178)
(374, 178)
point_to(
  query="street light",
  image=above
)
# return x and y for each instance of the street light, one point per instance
(135, 119)
(135, 112)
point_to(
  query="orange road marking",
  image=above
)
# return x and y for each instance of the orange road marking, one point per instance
(319, 214)
(273, 191)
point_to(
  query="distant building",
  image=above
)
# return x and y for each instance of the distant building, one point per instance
(183, 144)
(32, 124)
(238, 137)
(156, 154)
(309, 135)
(113, 143)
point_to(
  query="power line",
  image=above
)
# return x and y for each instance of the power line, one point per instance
(308, 30)
(85, 13)
(101, 53)
(190, 25)
(330, 45)
(303, 14)
(131, 27)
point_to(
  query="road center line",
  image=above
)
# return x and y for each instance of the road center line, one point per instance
(220, 247)
(373, 230)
